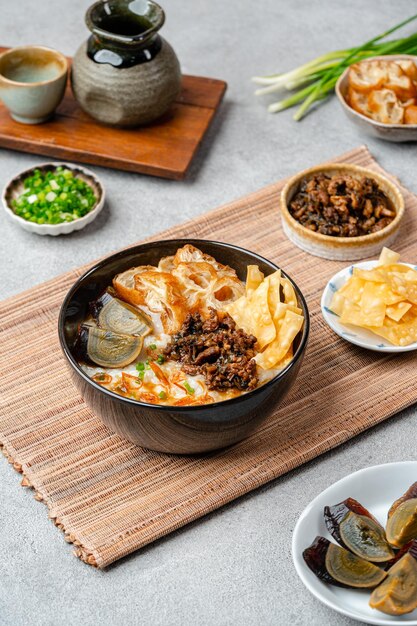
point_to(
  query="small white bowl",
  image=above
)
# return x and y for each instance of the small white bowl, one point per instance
(389, 132)
(376, 488)
(14, 188)
(354, 334)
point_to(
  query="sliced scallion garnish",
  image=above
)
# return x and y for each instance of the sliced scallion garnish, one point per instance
(53, 197)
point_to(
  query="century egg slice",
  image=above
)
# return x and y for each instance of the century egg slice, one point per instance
(339, 567)
(113, 314)
(106, 348)
(397, 594)
(402, 519)
(357, 530)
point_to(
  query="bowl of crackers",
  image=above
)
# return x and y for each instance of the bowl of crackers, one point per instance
(380, 96)
(373, 304)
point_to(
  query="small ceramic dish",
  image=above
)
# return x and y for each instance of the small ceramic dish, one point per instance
(389, 132)
(15, 187)
(32, 82)
(376, 488)
(354, 334)
(340, 248)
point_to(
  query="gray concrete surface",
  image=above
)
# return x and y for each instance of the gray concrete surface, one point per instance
(233, 567)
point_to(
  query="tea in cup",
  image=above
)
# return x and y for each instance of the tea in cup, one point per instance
(32, 82)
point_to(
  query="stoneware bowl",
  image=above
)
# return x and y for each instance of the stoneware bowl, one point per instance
(32, 82)
(340, 248)
(187, 429)
(389, 132)
(15, 187)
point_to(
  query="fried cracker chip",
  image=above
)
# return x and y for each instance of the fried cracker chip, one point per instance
(398, 333)
(352, 290)
(397, 311)
(289, 293)
(253, 315)
(254, 278)
(404, 288)
(274, 291)
(269, 310)
(337, 303)
(388, 257)
(377, 275)
(287, 329)
(286, 360)
(353, 314)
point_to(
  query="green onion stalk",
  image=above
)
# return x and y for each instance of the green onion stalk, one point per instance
(315, 80)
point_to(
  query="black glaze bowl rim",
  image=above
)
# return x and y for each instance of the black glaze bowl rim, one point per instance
(126, 39)
(171, 407)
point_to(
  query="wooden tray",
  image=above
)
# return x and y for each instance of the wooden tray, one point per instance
(165, 148)
(111, 497)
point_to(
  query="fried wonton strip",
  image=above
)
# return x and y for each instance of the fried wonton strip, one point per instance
(352, 289)
(376, 275)
(338, 302)
(383, 292)
(372, 305)
(254, 278)
(406, 289)
(286, 360)
(289, 327)
(289, 293)
(387, 257)
(398, 333)
(397, 311)
(253, 315)
(274, 291)
(354, 314)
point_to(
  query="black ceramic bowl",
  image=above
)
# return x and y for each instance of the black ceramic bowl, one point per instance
(186, 429)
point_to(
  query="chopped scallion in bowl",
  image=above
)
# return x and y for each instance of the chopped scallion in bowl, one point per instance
(54, 198)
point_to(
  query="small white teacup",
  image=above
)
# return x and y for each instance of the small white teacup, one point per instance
(32, 82)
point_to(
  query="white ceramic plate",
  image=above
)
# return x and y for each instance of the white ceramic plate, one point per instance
(356, 335)
(15, 186)
(376, 488)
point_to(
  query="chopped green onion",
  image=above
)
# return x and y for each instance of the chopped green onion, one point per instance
(162, 395)
(160, 359)
(140, 366)
(152, 346)
(53, 197)
(189, 389)
(315, 80)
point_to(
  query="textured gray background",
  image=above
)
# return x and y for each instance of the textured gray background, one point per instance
(233, 567)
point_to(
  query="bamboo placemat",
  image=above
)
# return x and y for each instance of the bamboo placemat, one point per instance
(111, 497)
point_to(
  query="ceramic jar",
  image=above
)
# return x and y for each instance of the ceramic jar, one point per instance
(126, 74)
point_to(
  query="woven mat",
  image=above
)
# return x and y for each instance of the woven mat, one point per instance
(111, 497)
